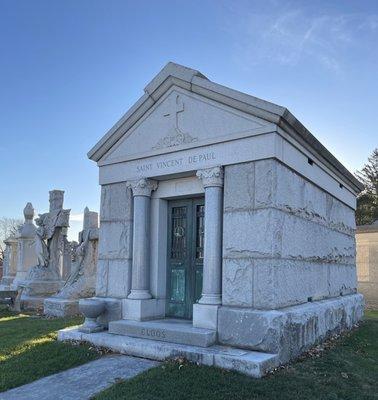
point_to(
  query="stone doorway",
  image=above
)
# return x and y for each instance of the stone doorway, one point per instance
(186, 220)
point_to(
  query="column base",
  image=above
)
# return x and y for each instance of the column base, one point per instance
(139, 294)
(141, 310)
(211, 299)
(205, 316)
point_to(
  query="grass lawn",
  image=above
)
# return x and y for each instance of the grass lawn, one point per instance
(29, 350)
(347, 371)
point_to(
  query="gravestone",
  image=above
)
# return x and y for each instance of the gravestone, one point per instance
(44, 279)
(26, 254)
(9, 263)
(82, 280)
(226, 230)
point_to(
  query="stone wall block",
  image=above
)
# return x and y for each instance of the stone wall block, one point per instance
(248, 234)
(116, 202)
(289, 190)
(282, 283)
(251, 329)
(239, 187)
(342, 280)
(340, 216)
(237, 282)
(102, 277)
(115, 240)
(119, 279)
(302, 239)
(265, 182)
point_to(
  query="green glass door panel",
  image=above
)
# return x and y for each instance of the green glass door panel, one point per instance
(185, 256)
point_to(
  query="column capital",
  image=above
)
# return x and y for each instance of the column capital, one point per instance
(142, 187)
(211, 176)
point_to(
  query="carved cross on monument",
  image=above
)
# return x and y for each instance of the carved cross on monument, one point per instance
(175, 135)
(177, 106)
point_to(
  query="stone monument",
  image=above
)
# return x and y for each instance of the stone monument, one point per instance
(44, 278)
(367, 263)
(26, 254)
(82, 280)
(222, 211)
(67, 254)
(9, 263)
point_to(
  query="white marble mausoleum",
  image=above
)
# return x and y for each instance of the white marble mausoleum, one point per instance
(226, 230)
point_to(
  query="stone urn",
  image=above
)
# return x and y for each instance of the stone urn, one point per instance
(91, 309)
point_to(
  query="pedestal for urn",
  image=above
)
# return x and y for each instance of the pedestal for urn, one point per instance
(82, 280)
(44, 279)
(26, 255)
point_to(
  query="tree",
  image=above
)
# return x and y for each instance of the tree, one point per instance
(8, 227)
(367, 200)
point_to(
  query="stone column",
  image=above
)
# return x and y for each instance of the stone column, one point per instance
(139, 304)
(206, 311)
(140, 287)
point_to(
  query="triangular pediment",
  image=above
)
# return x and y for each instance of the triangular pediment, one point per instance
(181, 108)
(181, 120)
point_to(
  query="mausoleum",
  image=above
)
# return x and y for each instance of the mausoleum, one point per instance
(226, 230)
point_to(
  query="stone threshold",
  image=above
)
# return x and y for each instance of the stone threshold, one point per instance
(166, 330)
(252, 363)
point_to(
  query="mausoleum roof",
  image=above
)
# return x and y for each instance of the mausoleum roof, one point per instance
(194, 81)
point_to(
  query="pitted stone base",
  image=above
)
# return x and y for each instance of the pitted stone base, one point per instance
(36, 292)
(6, 282)
(252, 363)
(32, 303)
(289, 331)
(60, 307)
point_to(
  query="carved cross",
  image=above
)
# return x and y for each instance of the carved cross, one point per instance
(177, 106)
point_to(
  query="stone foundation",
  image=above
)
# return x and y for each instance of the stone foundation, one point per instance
(289, 331)
(252, 363)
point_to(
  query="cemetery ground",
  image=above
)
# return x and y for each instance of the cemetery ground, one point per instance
(29, 349)
(346, 369)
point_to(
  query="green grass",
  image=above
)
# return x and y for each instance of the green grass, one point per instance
(29, 349)
(347, 371)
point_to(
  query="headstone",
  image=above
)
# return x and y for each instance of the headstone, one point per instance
(82, 280)
(44, 278)
(26, 255)
(9, 263)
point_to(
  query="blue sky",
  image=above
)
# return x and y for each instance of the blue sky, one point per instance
(70, 69)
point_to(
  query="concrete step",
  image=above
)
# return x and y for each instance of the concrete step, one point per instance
(252, 363)
(165, 330)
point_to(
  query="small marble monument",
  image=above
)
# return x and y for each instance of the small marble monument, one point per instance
(9, 263)
(82, 280)
(26, 254)
(44, 279)
(223, 211)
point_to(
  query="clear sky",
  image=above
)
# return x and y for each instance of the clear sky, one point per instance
(70, 69)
